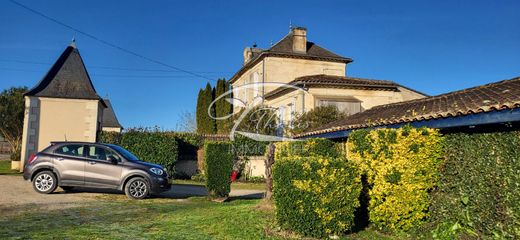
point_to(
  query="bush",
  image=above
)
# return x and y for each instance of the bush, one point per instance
(479, 189)
(315, 196)
(310, 147)
(218, 166)
(402, 167)
(244, 146)
(148, 145)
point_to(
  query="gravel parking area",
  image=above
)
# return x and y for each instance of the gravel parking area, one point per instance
(17, 195)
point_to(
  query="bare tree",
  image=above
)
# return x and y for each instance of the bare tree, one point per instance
(187, 122)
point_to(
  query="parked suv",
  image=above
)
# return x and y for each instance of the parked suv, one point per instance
(92, 165)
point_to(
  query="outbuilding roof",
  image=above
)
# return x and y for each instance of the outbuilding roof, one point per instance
(67, 78)
(109, 116)
(496, 96)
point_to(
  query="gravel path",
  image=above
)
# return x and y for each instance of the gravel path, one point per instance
(16, 194)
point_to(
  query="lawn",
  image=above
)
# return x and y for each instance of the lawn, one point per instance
(194, 218)
(235, 185)
(5, 168)
(114, 217)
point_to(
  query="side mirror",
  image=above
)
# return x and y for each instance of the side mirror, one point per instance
(112, 159)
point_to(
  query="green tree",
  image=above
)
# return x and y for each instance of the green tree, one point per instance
(12, 108)
(222, 107)
(316, 118)
(205, 123)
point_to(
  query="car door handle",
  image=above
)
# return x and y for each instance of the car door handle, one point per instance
(60, 159)
(92, 162)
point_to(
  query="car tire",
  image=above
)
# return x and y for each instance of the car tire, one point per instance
(67, 188)
(45, 182)
(137, 188)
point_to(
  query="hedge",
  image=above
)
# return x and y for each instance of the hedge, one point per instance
(402, 167)
(479, 188)
(310, 147)
(244, 146)
(218, 159)
(317, 195)
(148, 145)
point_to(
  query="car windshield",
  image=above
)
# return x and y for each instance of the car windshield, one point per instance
(126, 154)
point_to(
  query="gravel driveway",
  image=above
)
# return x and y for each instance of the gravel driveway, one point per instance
(17, 194)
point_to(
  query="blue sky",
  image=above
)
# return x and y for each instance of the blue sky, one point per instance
(431, 46)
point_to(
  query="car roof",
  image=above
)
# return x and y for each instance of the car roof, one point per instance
(76, 142)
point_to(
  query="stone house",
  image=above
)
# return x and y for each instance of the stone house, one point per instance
(63, 106)
(319, 72)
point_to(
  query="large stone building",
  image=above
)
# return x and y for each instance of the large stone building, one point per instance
(321, 73)
(63, 106)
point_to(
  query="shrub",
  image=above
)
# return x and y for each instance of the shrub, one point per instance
(218, 166)
(402, 168)
(315, 196)
(148, 145)
(310, 147)
(479, 189)
(244, 146)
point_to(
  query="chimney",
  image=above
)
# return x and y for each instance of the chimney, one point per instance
(248, 54)
(299, 35)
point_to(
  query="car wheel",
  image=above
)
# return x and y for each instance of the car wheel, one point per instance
(45, 182)
(137, 188)
(67, 188)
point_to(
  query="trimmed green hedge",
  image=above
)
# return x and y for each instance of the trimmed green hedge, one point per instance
(315, 196)
(147, 145)
(479, 189)
(218, 159)
(244, 146)
(310, 147)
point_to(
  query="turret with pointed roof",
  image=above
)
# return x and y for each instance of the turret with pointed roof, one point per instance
(67, 78)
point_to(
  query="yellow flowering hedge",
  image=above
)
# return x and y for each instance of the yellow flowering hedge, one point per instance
(315, 195)
(402, 167)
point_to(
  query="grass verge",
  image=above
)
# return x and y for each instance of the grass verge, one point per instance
(5, 168)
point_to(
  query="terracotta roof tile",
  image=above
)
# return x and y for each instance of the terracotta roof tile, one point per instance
(490, 97)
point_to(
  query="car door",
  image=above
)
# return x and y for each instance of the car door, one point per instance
(69, 161)
(99, 170)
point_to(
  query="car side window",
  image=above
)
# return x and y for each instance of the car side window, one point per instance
(111, 153)
(97, 153)
(75, 150)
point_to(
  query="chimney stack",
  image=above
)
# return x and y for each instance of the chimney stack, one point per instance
(299, 35)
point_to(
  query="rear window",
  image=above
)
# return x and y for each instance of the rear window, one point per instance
(71, 150)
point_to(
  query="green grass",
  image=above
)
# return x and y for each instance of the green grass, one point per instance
(195, 218)
(5, 168)
(113, 216)
(235, 185)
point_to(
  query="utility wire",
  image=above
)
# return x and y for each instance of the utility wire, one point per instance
(105, 42)
(108, 67)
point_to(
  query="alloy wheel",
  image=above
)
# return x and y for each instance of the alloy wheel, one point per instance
(138, 189)
(44, 182)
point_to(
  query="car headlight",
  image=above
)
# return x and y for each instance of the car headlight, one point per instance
(157, 171)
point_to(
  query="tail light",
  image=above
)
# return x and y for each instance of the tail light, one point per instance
(32, 158)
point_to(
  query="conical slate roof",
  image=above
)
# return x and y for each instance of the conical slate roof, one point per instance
(67, 78)
(109, 116)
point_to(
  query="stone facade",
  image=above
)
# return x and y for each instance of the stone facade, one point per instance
(295, 57)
